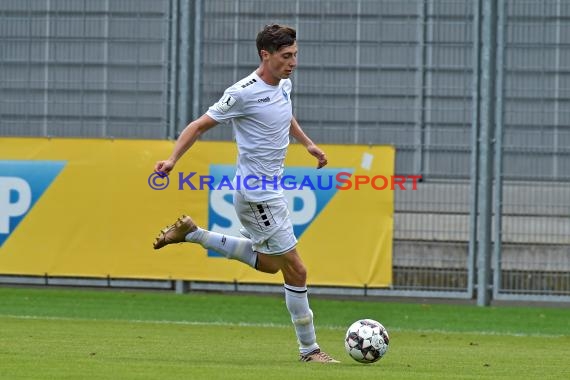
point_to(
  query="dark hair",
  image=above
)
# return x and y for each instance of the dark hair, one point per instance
(273, 37)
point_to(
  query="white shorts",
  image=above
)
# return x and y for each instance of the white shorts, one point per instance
(268, 223)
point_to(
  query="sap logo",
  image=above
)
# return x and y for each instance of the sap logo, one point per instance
(22, 183)
(305, 202)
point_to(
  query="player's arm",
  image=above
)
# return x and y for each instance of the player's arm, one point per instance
(186, 139)
(312, 148)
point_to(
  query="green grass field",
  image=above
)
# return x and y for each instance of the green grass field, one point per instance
(86, 334)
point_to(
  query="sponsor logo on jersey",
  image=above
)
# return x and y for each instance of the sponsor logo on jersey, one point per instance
(252, 81)
(264, 100)
(22, 183)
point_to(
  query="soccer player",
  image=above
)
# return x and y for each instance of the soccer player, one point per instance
(259, 109)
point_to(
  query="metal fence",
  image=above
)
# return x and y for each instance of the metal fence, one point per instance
(533, 211)
(448, 82)
(84, 68)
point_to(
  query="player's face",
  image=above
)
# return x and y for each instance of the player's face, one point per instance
(282, 63)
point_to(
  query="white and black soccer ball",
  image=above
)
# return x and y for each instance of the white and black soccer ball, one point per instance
(366, 341)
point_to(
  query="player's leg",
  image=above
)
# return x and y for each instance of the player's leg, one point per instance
(230, 246)
(297, 301)
(269, 225)
(236, 248)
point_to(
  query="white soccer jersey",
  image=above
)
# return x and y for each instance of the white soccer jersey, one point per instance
(261, 118)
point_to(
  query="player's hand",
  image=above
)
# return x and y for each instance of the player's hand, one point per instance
(316, 152)
(164, 166)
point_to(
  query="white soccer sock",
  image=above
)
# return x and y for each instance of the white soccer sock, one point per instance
(302, 317)
(230, 246)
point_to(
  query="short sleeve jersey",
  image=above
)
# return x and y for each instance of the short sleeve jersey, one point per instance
(260, 115)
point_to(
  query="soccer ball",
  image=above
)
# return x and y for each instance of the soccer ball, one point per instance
(366, 341)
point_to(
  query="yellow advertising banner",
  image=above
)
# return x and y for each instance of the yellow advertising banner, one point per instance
(92, 208)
